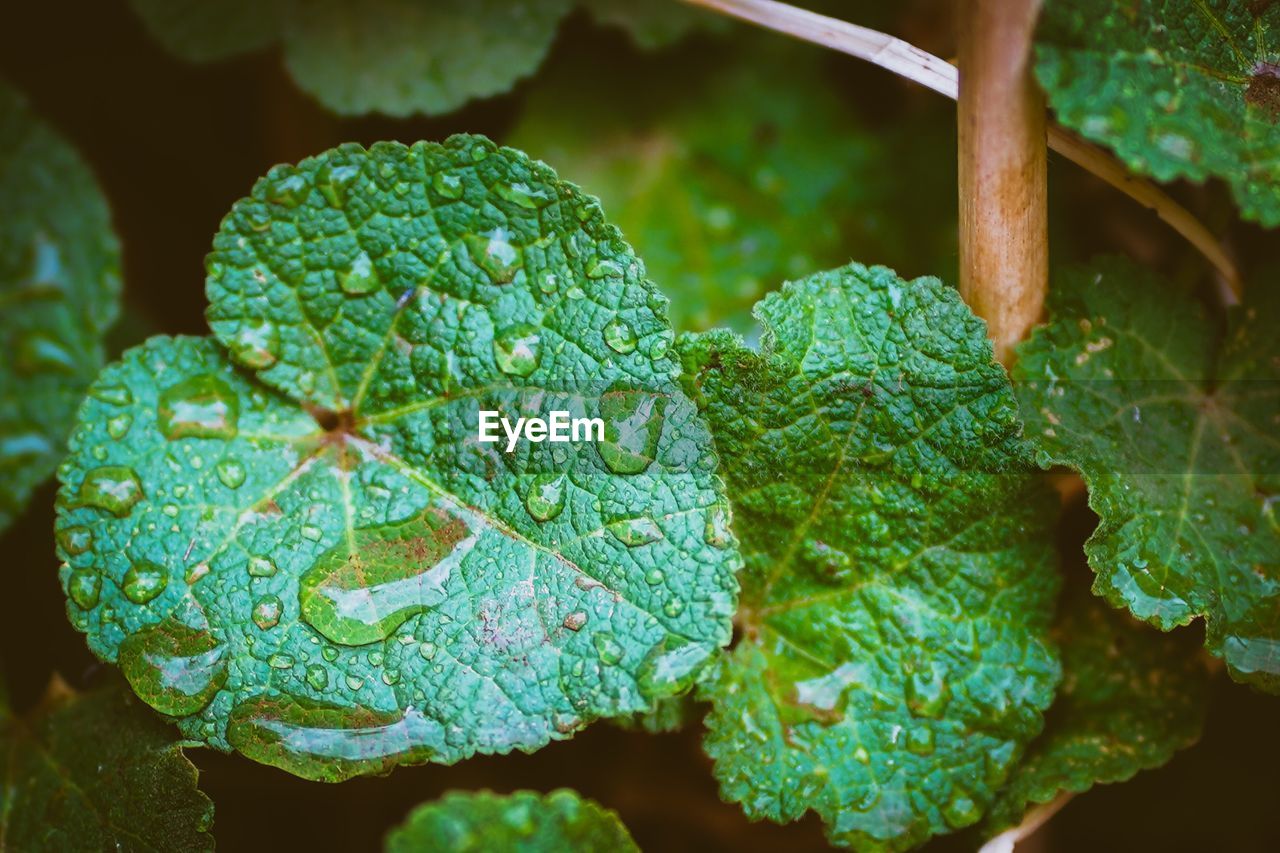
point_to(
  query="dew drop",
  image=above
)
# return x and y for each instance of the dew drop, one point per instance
(311, 532)
(655, 576)
(447, 185)
(199, 407)
(335, 182)
(113, 395)
(516, 349)
(927, 695)
(118, 427)
(266, 612)
(920, 740)
(530, 198)
(494, 253)
(604, 268)
(75, 540)
(671, 667)
(620, 337)
(960, 811)
(289, 191)
(634, 532)
(716, 532)
(361, 277)
(608, 649)
(144, 582)
(673, 608)
(256, 346)
(113, 488)
(329, 653)
(354, 682)
(280, 660)
(546, 496)
(632, 428)
(317, 677)
(83, 588)
(427, 650)
(261, 567)
(173, 667)
(231, 473)
(575, 620)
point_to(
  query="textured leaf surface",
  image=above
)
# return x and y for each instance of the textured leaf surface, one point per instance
(899, 577)
(1173, 427)
(1177, 88)
(59, 291)
(1130, 698)
(523, 820)
(733, 173)
(97, 771)
(337, 576)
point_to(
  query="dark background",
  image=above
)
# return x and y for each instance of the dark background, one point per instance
(174, 145)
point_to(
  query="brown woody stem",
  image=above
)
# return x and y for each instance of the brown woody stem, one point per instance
(1004, 210)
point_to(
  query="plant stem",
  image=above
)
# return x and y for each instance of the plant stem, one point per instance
(931, 71)
(1031, 821)
(1004, 170)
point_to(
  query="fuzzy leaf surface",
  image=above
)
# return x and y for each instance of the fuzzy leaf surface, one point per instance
(733, 171)
(59, 292)
(1171, 420)
(1130, 698)
(1177, 88)
(97, 771)
(524, 820)
(899, 576)
(300, 548)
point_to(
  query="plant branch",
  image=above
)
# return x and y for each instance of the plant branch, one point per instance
(934, 73)
(1004, 171)
(1033, 820)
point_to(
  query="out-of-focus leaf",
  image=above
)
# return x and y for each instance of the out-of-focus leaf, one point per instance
(1172, 425)
(97, 771)
(524, 820)
(1177, 88)
(59, 292)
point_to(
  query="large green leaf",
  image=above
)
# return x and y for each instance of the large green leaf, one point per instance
(96, 771)
(524, 820)
(1177, 88)
(733, 172)
(1173, 427)
(59, 291)
(899, 577)
(398, 57)
(1130, 698)
(336, 575)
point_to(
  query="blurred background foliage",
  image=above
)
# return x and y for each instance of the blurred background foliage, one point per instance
(732, 160)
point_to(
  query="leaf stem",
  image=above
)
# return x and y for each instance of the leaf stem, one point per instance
(934, 73)
(1031, 821)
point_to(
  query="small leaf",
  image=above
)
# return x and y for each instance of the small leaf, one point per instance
(655, 25)
(97, 771)
(312, 558)
(59, 292)
(210, 30)
(1177, 88)
(523, 820)
(1130, 698)
(1173, 428)
(733, 171)
(899, 576)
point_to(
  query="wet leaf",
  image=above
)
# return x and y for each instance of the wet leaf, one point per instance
(523, 820)
(59, 292)
(97, 771)
(731, 172)
(1172, 421)
(655, 25)
(300, 548)
(1177, 88)
(1130, 698)
(899, 577)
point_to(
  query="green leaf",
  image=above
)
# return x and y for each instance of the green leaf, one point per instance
(672, 714)
(59, 292)
(899, 577)
(1172, 425)
(336, 576)
(523, 820)
(654, 25)
(1130, 698)
(97, 771)
(1177, 88)
(205, 31)
(733, 172)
